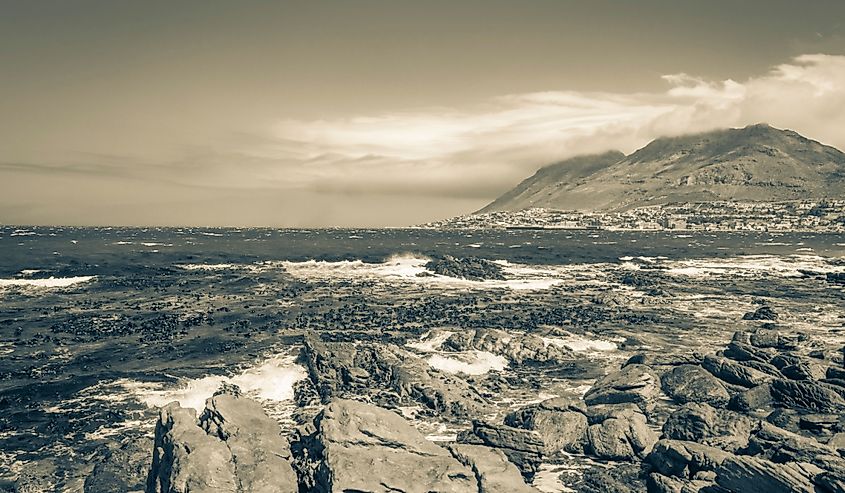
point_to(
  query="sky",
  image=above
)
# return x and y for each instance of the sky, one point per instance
(376, 113)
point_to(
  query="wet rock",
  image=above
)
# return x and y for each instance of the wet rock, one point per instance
(518, 348)
(622, 478)
(635, 384)
(739, 351)
(783, 360)
(807, 395)
(524, 448)
(688, 383)
(684, 459)
(621, 438)
(759, 397)
(733, 372)
(122, 469)
(660, 359)
(743, 474)
(701, 423)
(803, 371)
(830, 482)
(560, 429)
(493, 471)
(773, 339)
(833, 372)
(762, 313)
(471, 268)
(354, 446)
(234, 446)
(347, 369)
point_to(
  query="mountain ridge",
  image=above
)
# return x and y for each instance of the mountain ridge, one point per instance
(754, 163)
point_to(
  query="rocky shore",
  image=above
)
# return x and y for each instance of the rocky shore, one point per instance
(764, 414)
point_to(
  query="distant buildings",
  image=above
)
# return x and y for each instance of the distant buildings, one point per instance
(818, 216)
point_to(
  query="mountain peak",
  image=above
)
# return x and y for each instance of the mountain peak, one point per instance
(753, 163)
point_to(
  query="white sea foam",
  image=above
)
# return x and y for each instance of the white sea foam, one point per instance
(751, 266)
(271, 380)
(578, 343)
(50, 282)
(207, 266)
(29, 272)
(431, 340)
(468, 363)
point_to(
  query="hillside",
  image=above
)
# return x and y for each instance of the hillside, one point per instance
(755, 163)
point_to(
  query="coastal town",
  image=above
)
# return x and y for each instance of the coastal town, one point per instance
(812, 216)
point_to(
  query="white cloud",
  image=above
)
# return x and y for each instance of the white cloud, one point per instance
(485, 148)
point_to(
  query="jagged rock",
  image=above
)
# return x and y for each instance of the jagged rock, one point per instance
(783, 360)
(762, 313)
(559, 429)
(121, 469)
(807, 395)
(471, 268)
(820, 423)
(233, 447)
(352, 446)
(493, 471)
(622, 478)
(661, 359)
(787, 419)
(597, 413)
(658, 483)
(518, 348)
(634, 383)
(781, 446)
(803, 371)
(759, 397)
(833, 372)
(341, 368)
(830, 482)
(524, 448)
(743, 474)
(773, 339)
(740, 351)
(621, 438)
(733, 372)
(683, 459)
(837, 442)
(701, 423)
(688, 383)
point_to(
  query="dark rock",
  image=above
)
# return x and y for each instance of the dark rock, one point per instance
(787, 419)
(803, 371)
(781, 446)
(759, 397)
(701, 423)
(471, 268)
(622, 478)
(598, 413)
(122, 469)
(634, 383)
(733, 372)
(684, 459)
(352, 446)
(762, 313)
(559, 429)
(739, 351)
(522, 447)
(833, 372)
(621, 438)
(518, 348)
(743, 474)
(688, 383)
(660, 359)
(807, 395)
(773, 339)
(830, 482)
(784, 360)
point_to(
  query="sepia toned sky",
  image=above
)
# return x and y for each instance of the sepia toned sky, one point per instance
(375, 113)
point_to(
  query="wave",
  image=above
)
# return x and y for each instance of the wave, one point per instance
(50, 282)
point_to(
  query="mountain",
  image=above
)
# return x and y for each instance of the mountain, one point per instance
(755, 163)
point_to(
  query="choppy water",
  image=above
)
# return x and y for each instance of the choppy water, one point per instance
(98, 326)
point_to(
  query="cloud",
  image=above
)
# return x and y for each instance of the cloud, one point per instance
(481, 150)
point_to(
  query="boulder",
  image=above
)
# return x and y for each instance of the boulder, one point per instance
(559, 429)
(740, 351)
(701, 423)
(684, 459)
(807, 395)
(518, 348)
(233, 446)
(689, 383)
(773, 339)
(744, 474)
(803, 371)
(759, 397)
(352, 446)
(781, 446)
(636, 384)
(524, 448)
(784, 359)
(493, 471)
(762, 313)
(621, 478)
(621, 438)
(471, 268)
(733, 372)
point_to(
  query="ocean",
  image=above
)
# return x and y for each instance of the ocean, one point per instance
(100, 326)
